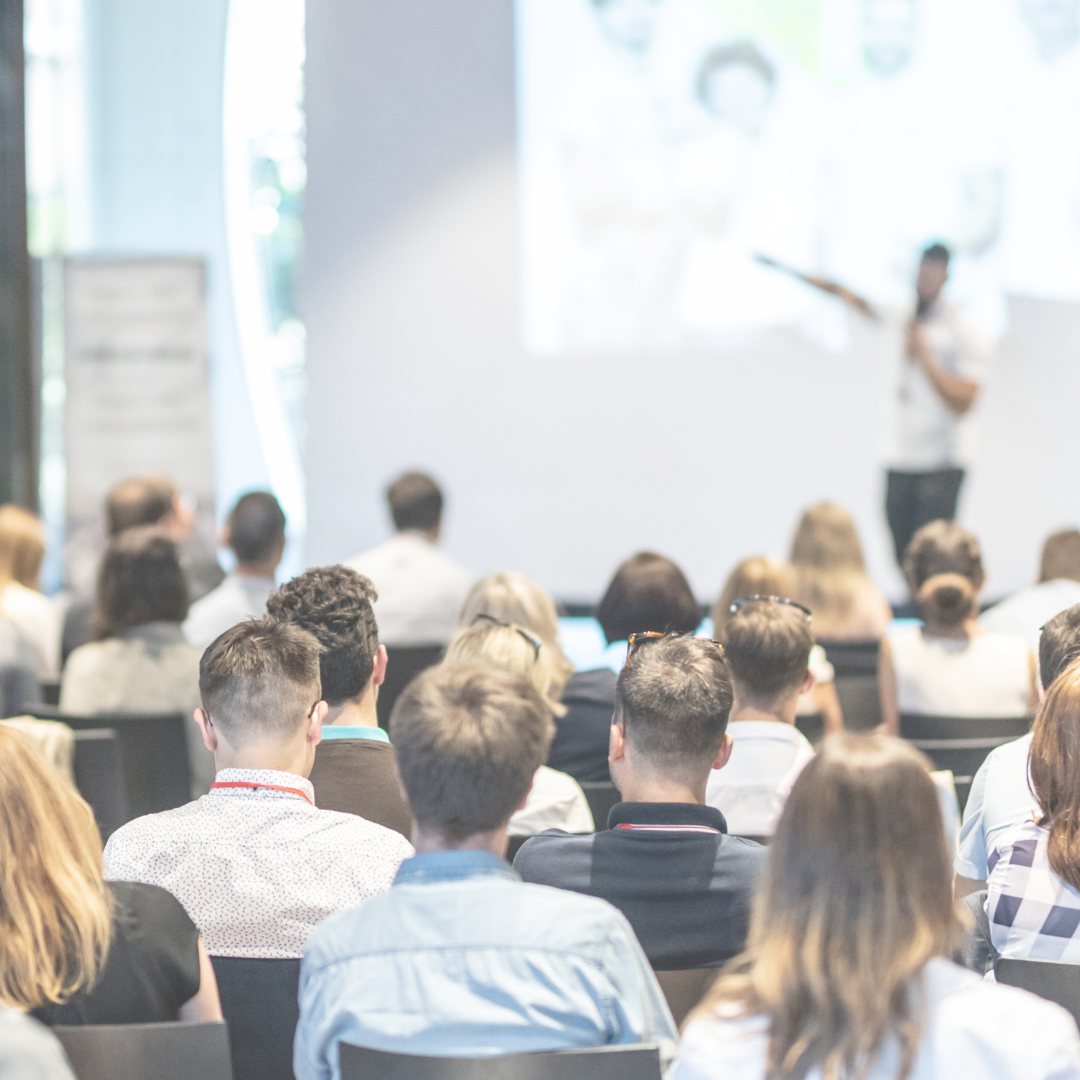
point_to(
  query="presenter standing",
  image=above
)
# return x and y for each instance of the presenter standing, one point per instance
(941, 375)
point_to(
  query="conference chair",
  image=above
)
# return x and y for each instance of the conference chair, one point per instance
(153, 755)
(595, 1063)
(601, 796)
(195, 1051)
(855, 675)
(403, 664)
(50, 693)
(99, 776)
(978, 953)
(260, 1005)
(1048, 979)
(685, 989)
(960, 743)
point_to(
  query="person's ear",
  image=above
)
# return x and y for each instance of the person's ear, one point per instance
(723, 755)
(279, 552)
(315, 721)
(209, 732)
(379, 674)
(809, 682)
(617, 743)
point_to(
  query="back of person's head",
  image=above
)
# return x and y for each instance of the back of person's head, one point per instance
(1059, 645)
(55, 910)
(674, 697)
(857, 898)
(944, 568)
(648, 592)
(768, 648)
(1061, 556)
(22, 546)
(469, 738)
(511, 646)
(416, 502)
(256, 527)
(142, 500)
(1054, 765)
(826, 539)
(140, 581)
(756, 576)
(333, 604)
(260, 680)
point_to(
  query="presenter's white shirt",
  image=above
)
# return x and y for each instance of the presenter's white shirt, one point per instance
(421, 590)
(237, 598)
(927, 434)
(974, 1030)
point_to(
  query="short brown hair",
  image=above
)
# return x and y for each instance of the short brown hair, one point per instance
(674, 696)
(469, 738)
(140, 581)
(415, 502)
(143, 500)
(648, 592)
(768, 646)
(260, 679)
(1061, 556)
(944, 568)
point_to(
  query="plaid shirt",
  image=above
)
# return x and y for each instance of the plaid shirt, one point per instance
(1033, 913)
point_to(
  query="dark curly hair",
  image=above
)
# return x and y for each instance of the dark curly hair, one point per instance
(333, 603)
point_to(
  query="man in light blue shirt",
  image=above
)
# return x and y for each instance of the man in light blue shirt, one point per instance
(461, 958)
(1001, 795)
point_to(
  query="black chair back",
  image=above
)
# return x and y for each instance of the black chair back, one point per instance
(1048, 979)
(403, 664)
(852, 657)
(153, 755)
(685, 989)
(599, 1063)
(812, 725)
(260, 1005)
(601, 796)
(856, 680)
(514, 846)
(99, 776)
(198, 1051)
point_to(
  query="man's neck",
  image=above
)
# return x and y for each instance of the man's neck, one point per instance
(778, 712)
(289, 759)
(264, 570)
(429, 841)
(661, 789)
(355, 713)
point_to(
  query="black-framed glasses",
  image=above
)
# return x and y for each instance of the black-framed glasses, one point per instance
(528, 635)
(736, 604)
(635, 641)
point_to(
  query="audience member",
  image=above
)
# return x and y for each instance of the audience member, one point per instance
(73, 949)
(832, 580)
(254, 863)
(421, 590)
(141, 662)
(666, 860)
(767, 641)
(22, 548)
(146, 500)
(354, 768)
(761, 576)
(28, 1050)
(461, 958)
(951, 666)
(1033, 886)
(1001, 795)
(846, 972)
(255, 531)
(555, 800)
(19, 687)
(1058, 588)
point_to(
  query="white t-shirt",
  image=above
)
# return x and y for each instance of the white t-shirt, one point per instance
(41, 622)
(1027, 611)
(237, 598)
(974, 1030)
(927, 434)
(421, 590)
(751, 789)
(555, 801)
(986, 675)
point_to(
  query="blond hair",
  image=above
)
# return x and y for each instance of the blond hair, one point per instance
(857, 898)
(514, 598)
(22, 546)
(756, 576)
(55, 909)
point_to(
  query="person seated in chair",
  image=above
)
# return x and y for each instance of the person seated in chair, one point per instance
(253, 862)
(460, 958)
(354, 767)
(767, 642)
(667, 861)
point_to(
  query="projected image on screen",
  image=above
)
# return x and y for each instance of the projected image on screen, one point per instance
(666, 146)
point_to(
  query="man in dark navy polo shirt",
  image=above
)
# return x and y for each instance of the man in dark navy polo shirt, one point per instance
(666, 860)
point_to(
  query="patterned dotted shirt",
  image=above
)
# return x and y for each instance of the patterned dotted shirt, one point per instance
(257, 868)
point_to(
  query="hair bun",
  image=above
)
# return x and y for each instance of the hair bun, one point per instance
(947, 599)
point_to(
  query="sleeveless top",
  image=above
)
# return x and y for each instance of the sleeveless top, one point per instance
(987, 675)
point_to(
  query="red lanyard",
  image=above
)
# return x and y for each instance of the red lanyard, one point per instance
(252, 784)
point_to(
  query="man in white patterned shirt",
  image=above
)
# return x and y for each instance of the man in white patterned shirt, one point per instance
(254, 863)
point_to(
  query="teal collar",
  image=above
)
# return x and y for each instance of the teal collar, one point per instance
(332, 731)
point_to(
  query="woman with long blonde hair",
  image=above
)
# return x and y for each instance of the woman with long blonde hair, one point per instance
(75, 949)
(846, 975)
(556, 800)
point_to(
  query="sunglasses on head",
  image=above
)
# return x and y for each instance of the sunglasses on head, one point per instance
(530, 637)
(635, 641)
(736, 604)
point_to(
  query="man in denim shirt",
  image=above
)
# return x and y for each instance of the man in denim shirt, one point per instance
(460, 957)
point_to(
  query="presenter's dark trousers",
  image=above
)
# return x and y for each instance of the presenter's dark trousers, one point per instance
(914, 499)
